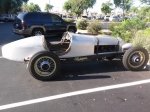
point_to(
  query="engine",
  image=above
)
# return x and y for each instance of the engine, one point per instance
(106, 48)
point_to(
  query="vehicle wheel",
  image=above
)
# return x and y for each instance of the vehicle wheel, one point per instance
(135, 58)
(71, 29)
(37, 32)
(44, 66)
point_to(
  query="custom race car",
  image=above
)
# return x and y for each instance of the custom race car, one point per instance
(43, 57)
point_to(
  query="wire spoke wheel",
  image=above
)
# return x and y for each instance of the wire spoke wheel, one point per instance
(135, 58)
(44, 66)
(37, 32)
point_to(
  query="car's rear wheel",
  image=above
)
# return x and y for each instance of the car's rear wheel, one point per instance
(44, 66)
(37, 31)
(135, 58)
(72, 29)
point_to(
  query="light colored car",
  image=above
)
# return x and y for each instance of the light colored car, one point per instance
(7, 17)
(106, 18)
(114, 19)
(43, 58)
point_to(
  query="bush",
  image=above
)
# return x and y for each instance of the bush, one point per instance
(142, 39)
(113, 25)
(82, 24)
(147, 19)
(128, 28)
(94, 27)
(69, 20)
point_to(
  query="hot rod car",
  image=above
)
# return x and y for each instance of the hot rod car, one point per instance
(43, 57)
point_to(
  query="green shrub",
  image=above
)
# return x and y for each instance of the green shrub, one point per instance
(147, 19)
(113, 25)
(82, 24)
(94, 27)
(142, 39)
(69, 20)
(128, 28)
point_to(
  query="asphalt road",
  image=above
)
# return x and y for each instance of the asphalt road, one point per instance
(17, 85)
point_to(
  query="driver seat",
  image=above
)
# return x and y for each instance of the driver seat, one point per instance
(53, 46)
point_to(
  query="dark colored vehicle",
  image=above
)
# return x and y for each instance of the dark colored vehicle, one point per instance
(1, 18)
(41, 23)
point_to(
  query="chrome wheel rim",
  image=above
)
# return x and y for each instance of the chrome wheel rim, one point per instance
(45, 66)
(136, 59)
(36, 33)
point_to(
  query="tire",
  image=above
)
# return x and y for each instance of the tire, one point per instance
(37, 31)
(135, 58)
(72, 29)
(44, 66)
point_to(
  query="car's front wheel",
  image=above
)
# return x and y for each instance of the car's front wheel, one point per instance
(72, 29)
(44, 66)
(37, 32)
(135, 58)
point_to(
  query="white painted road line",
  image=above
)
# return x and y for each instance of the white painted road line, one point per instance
(1, 57)
(81, 92)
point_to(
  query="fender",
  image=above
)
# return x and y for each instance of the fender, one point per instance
(38, 26)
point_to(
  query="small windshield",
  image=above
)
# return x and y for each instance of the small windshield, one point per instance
(66, 36)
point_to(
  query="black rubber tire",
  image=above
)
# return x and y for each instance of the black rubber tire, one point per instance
(37, 30)
(72, 29)
(127, 55)
(37, 56)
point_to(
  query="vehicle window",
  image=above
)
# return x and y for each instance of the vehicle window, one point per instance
(31, 16)
(45, 17)
(56, 18)
(21, 15)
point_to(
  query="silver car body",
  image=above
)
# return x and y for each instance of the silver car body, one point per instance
(80, 45)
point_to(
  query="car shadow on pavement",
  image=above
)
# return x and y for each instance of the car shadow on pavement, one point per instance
(90, 70)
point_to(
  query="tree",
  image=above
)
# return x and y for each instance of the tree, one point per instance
(1, 6)
(67, 6)
(124, 4)
(11, 6)
(144, 13)
(134, 10)
(146, 2)
(88, 4)
(30, 7)
(106, 8)
(48, 7)
(78, 6)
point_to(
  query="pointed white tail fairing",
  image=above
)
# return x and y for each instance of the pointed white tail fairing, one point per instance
(21, 49)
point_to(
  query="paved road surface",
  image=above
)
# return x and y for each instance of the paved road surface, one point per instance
(17, 85)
